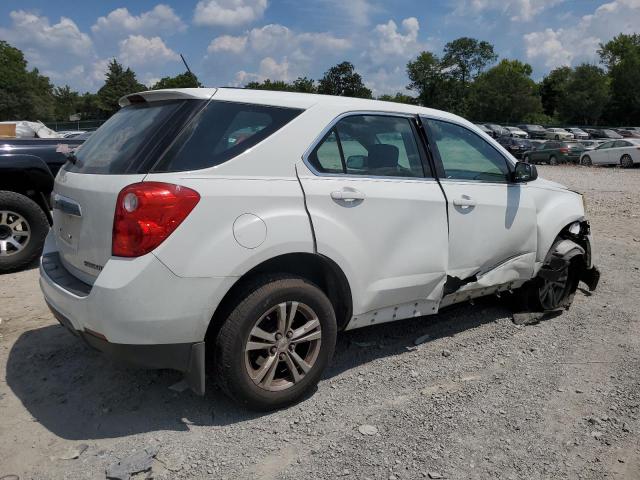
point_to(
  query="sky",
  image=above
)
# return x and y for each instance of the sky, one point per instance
(232, 42)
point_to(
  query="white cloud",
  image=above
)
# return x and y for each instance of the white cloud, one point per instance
(160, 19)
(37, 37)
(389, 41)
(519, 10)
(579, 43)
(137, 50)
(356, 12)
(227, 43)
(269, 68)
(228, 13)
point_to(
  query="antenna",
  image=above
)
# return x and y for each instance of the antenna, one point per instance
(185, 64)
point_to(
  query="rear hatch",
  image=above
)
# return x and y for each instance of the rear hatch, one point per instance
(118, 154)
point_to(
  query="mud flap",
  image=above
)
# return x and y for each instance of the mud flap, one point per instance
(194, 376)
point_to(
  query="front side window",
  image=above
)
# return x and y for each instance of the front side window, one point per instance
(369, 145)
(605, 145)
(465, 155)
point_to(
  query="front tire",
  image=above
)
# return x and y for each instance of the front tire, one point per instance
(626, 161)
(272, 349)
(23, 228)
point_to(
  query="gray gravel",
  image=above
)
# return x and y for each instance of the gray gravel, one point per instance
(480, 397)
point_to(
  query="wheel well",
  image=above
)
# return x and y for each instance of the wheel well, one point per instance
(320, 270)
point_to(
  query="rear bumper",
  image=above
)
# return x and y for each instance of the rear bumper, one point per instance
(188, 358)
(137, 311)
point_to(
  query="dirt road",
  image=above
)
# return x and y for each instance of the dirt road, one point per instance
(482, 398)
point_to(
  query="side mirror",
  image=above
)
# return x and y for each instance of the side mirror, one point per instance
(524, 172)
(356, 162)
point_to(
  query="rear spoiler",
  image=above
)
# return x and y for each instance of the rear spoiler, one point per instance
(158, 95)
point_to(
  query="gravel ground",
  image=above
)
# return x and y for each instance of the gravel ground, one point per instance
(481, 398)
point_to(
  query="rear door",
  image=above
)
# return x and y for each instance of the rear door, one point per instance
(377, 210)
(492, 222)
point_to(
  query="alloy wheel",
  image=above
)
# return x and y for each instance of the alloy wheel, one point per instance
(586, 161)
(15, 233)
(626, 161)
(283, 346)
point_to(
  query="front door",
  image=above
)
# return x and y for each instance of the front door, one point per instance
(377, 211)
(492, 221)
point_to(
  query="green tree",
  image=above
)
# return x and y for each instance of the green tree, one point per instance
(342, 79)
(505, 93)
(66, 102)
(119, 82)
(553, 88)
(587, 95)
(429, 82)
(622, 57)
(183, 80)
(277, 85)
(24, 94)
(399, 98)
(463, 60)
(304, 85)
(89, 107)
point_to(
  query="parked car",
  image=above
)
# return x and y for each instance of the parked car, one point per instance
(554, 152)
(578, 133)
(515, 146)
(167, 237)
(534, 131)
(498, 131)
(591, 144)
(625, 153)
(516, 132)
(27, 170)
(558, 134)
(627, 133)
(486, 130)
(71, 133)
(605, 134)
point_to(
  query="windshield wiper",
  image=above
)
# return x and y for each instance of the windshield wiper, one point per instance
(71, 157)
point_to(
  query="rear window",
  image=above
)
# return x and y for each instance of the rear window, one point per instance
(117, 146)
(221, 131)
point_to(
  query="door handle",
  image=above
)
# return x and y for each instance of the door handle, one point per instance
(464, 201)
(347, 195)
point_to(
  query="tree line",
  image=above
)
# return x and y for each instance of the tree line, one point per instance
(466, 79)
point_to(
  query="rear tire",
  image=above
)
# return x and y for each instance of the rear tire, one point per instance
(586, 161)
(553, 160)
(264, 364)
(23, 228)
(557, 137)
(626, 161)
(525, 158)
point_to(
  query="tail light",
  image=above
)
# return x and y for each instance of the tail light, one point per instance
(147, 213)
(564, 150)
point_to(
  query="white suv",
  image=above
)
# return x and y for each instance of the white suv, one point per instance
(262, 223)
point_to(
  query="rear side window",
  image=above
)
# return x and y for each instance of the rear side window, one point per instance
(221, 131)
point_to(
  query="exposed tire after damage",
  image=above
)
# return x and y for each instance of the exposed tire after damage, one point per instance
(23, 228)
(276, 342)
(554, 286)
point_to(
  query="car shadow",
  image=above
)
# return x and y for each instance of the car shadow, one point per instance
(79, 394)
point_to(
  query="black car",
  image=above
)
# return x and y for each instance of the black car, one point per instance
(603, 133)
(516, 146)
(534, 131)
(27, 169)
